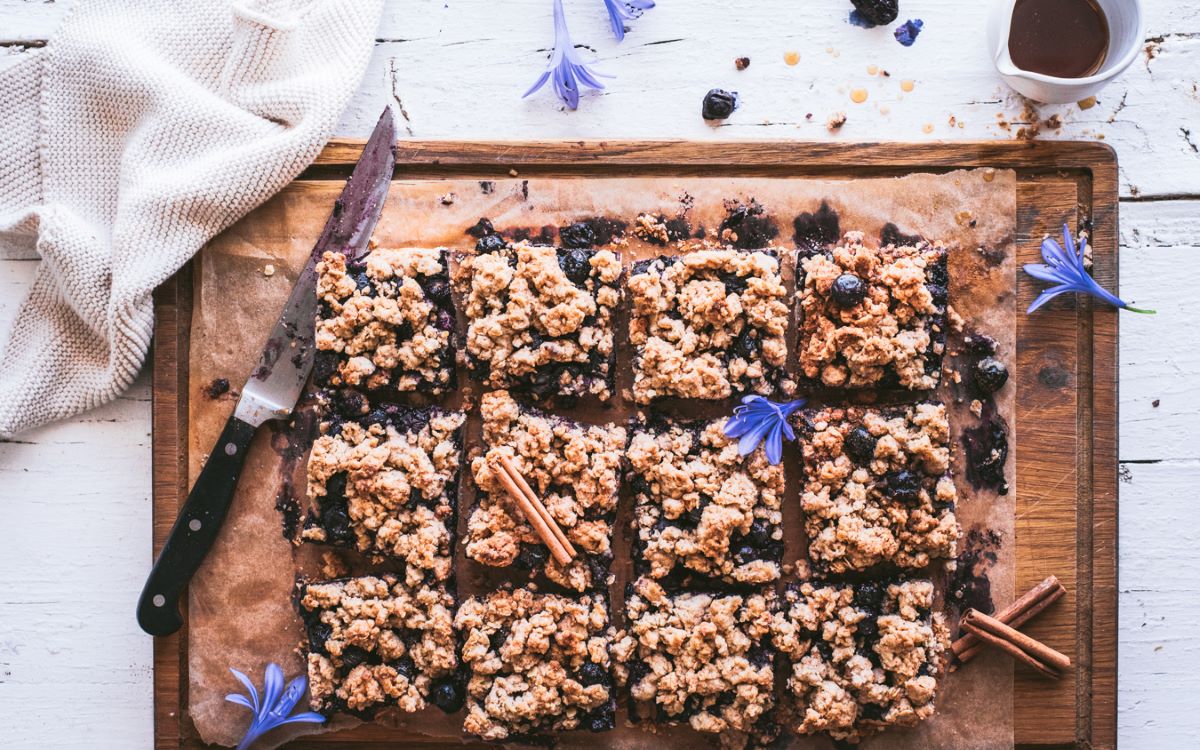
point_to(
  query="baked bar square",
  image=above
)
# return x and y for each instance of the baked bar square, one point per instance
(386, 483)
(375, 642)
(708, 325)
(860, 657)
(872, 317)
(701, 511)
(701, 658)
(877, 486)
(573, 468)
(385, 323)
(541, 319)
(538, 664)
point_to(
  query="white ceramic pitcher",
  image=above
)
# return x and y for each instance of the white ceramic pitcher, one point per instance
(1125, 41)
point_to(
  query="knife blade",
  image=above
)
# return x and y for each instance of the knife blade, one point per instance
(273, 388)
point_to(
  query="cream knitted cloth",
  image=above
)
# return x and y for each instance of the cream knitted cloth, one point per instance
(141, 130)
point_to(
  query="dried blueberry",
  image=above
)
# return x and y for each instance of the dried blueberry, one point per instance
(335, 487)
(600, 722)
(990, 374)
(878, 12)
(746, 554)
(639, 485)
(438, 290)
(445, 321)
(352, 656)
(490, 243)
(848, 290)
(362, 282)
(578, 235)
(576, 265)
(531, 556)
(938, 293)
(592, 674)
(719, 104)
(860, 446)
(446, 695)
(745, 346)
(759, 533)
(318, 633)
(868, 597)
(904, 486)
(325, 364)
(405, 668)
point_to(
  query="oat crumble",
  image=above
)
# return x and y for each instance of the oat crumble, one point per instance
(541, 319)
(708, 325)
(374, 642)
(890, 334)
(538, 664)
(386, 484)
(701, 509)
(877, 486)
(861, 657)
(385, 322)
(574, 469)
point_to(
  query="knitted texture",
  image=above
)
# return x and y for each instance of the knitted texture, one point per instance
(144, 128)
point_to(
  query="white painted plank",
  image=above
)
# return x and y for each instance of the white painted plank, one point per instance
(1160, 354)
(1159, 658)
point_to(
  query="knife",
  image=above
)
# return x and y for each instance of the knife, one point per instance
(272, 389)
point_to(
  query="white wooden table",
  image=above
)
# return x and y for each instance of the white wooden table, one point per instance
(75, 497)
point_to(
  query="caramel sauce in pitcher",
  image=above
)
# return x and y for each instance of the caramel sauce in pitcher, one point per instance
(1061, 38)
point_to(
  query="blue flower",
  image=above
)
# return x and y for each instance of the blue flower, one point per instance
(759, 419)
(906, 33)
(277, 703)
(620, 11)
(567, 69)
(1065, 268)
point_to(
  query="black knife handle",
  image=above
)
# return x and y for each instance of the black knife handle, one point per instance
(194, 531)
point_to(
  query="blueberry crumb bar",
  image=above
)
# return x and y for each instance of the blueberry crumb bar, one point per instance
(538, 664)
(702, 511)
(541, 318)
(385, 482)
(573, 468)
(703, 658)
(876, 486)
(860, 657)
(385, 323)
(708, 325)
(872, 317)
(374, 642)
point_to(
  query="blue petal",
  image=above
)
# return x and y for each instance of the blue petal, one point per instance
(240, 699)
(272, 686)
(1044, 273)
(291, 696)
(738, 425)
(787, 432)
(1054, 256)
(308, 717)
(751, 439)
(1048, 295)
(541, 81)
(786, 410)
(251, 691)
(774, 445)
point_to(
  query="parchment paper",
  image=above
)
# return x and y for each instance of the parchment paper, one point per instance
(241, 612)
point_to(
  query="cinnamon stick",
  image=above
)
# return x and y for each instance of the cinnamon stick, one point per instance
(1011, 649)
(968, 646)
(535, 519)
(1054, 659)
(511, 468)
(1028, 606)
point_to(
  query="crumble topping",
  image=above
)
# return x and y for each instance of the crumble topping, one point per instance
(701, 507)
(374, 642)
(700, 657)
(708, 325)
(386, 321)
(572, 467)
(539, 663)
(386, 484)
(877, 486)
(541, 319)
(861, 657)
(895, 335)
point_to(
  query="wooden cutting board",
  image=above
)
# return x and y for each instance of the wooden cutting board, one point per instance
(1066, 380)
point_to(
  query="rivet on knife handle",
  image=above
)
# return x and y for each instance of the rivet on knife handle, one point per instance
(194, 531)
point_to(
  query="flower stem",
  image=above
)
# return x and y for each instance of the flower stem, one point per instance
(1140, 311)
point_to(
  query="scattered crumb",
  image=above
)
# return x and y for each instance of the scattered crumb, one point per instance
(907, 85)
(977, 407)
(791, 58)
(741, 63)
(448, 199)
(835, 122)
(989, 174)
(333, 566)
(220, 386)
(955, 320)
(928, 128)
(964, 218)
(1087, 103)
(268, 270)
(1053, 122)
(1154, 403)
(885, 74)
(858, 96)
(953, 121)
(513, 173)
